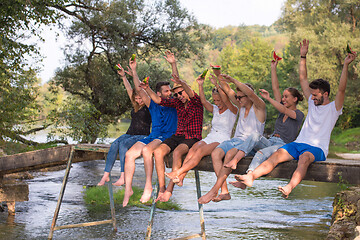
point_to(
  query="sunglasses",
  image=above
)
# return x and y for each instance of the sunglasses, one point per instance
(178, 93)
(239, 97)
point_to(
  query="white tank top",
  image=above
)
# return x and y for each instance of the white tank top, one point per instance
(249, 125)
(222, 123)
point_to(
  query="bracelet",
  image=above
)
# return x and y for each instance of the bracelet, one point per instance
(303, 56)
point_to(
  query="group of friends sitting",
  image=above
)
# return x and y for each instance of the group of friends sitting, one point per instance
(175, 116)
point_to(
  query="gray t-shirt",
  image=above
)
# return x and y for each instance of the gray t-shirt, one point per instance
(289, 129)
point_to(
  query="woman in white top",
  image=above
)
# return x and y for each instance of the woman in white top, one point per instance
(224, 116)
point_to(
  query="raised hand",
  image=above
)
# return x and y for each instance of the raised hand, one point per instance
(274, 64)
(265, 94)
(226, 78)
(304, 47)
(169, 56)
(132, 64)
(175, 79)
(350, 57)
(200, 80)
(213, 79)
(144, 85)
(121, 71)
(128, 71)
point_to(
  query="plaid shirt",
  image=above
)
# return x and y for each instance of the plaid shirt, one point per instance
(190, 119)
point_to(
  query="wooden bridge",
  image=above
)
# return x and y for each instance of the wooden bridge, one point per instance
(330, 170)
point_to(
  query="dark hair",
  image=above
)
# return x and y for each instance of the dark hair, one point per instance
(159, 85)
(295, 93)
(215, 90)
(320, 84)
(247, 84)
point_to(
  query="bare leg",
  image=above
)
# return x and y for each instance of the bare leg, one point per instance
(133, 153)
(147, 154)
(159, 155)
(220, 182)
(190, 163)
(104, 179)
(305, 160)
(266, 167)
(179, 151)
(233, 162)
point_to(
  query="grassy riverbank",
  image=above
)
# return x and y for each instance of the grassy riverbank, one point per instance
(344, 141)
(98, 197)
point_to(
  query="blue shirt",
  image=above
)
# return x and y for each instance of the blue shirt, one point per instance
(164, 120)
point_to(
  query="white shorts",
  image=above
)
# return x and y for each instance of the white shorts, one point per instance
(215, 137)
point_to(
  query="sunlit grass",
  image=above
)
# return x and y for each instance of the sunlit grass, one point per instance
(98, 197)
(345, 141)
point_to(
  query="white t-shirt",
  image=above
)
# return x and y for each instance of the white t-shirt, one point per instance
(249, 125)
(221, 126)
(318, 125)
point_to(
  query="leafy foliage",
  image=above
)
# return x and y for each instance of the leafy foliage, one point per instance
(107, 33)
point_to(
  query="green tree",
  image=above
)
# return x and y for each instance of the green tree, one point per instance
(20, 20)
(106, 33)
(329, 25)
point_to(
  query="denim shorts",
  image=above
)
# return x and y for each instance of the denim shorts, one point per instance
(150, 138)
(296, 149)
(230, 144)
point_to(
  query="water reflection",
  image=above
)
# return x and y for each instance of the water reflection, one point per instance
(256, 213)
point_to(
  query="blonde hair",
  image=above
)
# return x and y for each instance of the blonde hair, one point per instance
(136, 106)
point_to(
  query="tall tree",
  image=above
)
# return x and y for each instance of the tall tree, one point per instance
(330, 26)
(105, 33)
(19, 21)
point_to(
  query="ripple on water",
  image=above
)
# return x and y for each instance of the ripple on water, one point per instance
(255, 213)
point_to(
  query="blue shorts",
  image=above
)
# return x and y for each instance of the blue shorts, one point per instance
(230, 144)
(296, 149)
(151, 138)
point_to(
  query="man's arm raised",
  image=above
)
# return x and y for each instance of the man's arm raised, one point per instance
(304, 47)
(340, 95)
(170, 57)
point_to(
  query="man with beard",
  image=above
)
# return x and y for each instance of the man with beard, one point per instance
(312, 144)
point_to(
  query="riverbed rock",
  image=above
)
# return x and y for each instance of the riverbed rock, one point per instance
(345, 220)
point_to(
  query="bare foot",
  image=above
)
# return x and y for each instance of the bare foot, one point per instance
(164, 197)
(238, 184)
(159, 195)
(220, 197)
(245, 179)
(232, 164)
(207, 197)
(104, 179)
(171, 175)
(121, 180)
(127, 196)
(285, 191)
(146, 195)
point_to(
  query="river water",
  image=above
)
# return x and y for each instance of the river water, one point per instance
(255, 213)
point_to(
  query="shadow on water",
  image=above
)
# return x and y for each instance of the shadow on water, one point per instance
(255, 213)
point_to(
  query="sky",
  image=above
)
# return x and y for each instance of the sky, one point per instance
(214, 13)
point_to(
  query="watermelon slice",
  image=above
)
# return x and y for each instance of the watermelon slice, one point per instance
(204, 73)
(146, 80)
(118, 67)
(348, 49)
(216, 67)
(276, 57)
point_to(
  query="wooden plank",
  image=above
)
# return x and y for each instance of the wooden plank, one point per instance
(331, 170)
(50, 157)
